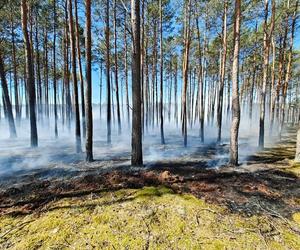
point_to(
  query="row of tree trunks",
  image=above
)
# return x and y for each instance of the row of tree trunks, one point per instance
(7, 102)
(74, 78)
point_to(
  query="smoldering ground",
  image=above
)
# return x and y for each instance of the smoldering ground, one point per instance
(17, 158)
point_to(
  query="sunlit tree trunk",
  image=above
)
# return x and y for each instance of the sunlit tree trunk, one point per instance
(185, 70)
(266, 48)
(234, 132)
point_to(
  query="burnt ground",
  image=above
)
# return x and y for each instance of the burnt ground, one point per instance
(264, 183)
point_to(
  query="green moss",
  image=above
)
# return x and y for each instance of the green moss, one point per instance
(296, 217)
(135, 219)
(295, 168)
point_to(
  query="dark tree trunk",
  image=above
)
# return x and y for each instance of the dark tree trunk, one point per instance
(89, 112)
(30, 74)
(107, 43)
(161, 110)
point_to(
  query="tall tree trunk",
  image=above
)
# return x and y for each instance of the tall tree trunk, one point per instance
(80, 70)
(234, 132)
(30, 74)
(125, 68)
(54, 70)
(66, 89)
(116, 67)
(222, 76)
(16, 87)
(136, 143)
(266, 48)
(175, 92)
(38, 69)
(107, 43)
(89, 112)
(162, 136)
(185, 70)
(8, 106)
(74, 76)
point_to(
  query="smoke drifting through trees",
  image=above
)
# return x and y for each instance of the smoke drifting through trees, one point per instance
(193, 64)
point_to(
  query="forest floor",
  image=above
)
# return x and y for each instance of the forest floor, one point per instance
(166, 205)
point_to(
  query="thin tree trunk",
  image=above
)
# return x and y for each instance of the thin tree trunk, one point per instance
(125, 68)
(107, 43)
(185, 71)
(80, 70)
(116, 67)
(16, 87)
(222, 77)
(54, 70)
(89, 112)
(162, 136)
